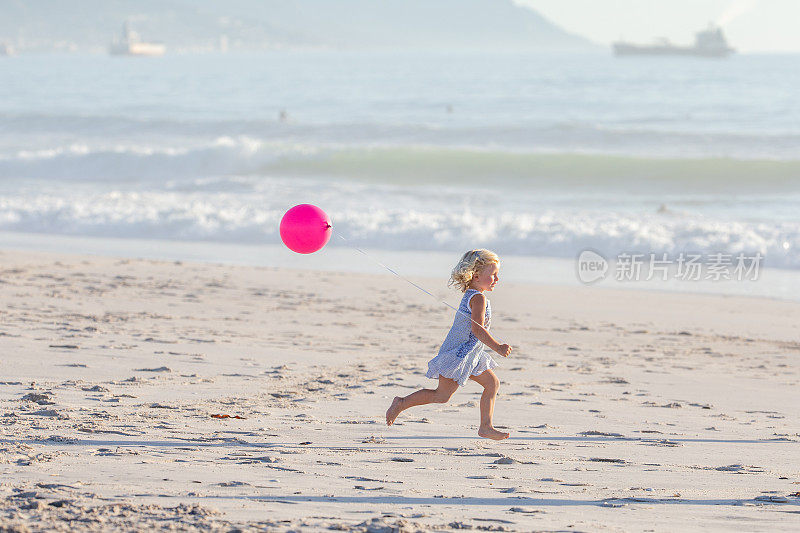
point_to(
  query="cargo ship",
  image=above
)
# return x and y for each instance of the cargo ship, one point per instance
(129, 44)
(708, 43)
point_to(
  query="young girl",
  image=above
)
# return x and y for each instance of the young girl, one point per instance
(463, 354)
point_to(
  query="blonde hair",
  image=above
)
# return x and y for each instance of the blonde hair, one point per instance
(469, 264)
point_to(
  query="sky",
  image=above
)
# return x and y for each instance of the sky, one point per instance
(749, 25)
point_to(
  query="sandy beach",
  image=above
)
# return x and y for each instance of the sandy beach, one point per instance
(140, 394)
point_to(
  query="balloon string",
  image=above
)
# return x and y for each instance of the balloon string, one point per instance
(408, 280)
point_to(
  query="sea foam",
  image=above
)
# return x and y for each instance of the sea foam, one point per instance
(248, 210)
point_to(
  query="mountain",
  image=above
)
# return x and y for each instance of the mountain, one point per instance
(91, 24)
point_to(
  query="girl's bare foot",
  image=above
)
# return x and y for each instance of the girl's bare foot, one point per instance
(491, 433)
(393, 410)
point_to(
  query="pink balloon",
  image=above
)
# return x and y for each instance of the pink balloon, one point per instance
(305, 228)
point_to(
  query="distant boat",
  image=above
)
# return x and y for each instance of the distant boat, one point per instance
(129, 44)
(6, 50)
(707, 43)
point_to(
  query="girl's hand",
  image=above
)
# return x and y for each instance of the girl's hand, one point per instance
(504, 350)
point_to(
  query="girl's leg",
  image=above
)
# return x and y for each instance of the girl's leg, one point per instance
(490, 386)
(423, 396)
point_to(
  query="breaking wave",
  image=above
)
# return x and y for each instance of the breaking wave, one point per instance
(408, 165)
(247, 210)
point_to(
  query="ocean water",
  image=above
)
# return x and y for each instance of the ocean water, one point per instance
(535, 156)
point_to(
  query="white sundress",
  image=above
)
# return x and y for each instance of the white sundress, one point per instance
(462, 355)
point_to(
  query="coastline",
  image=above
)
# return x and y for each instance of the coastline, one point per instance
(634, 408)
(773, 283)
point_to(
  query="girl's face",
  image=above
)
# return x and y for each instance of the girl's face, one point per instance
(486, 278)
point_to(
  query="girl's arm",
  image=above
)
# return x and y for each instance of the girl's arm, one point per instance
(478, 307)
